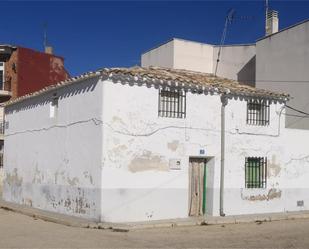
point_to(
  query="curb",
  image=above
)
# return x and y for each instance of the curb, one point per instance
(125, 227)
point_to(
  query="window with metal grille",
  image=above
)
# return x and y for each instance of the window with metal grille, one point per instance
(256, 172)
(1, 78)
(172, 103)
(258, 112)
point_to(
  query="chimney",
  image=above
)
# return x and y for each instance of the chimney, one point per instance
(48, 50)
(272, 22)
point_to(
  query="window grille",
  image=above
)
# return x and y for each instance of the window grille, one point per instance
(256, 172)
(172, 103)
(258, 112)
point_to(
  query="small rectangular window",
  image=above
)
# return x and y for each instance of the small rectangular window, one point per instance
(1, 75)
(1, 79)
(53, 108)
(258, 112)
(256, 172)
(172, 103)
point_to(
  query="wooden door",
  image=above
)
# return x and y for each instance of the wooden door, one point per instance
(197, 186)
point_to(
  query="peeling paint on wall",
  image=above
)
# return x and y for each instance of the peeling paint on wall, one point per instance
(73, 181)
(148, 161)
(118, 121)
(57, 174)
(119, 149)
(88, 176)
(76, 203)
(79, 204)
(273, 168)
(13, 179)
(38, 177)
(272, 194)
(173, 146)
(27, 202)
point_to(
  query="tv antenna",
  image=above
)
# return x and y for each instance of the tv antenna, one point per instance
(229, 19)
(266, 13)
(45, 35)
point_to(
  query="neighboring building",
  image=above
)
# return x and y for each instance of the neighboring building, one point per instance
(23, 71)
(237, 62)
(277, 62)
(282, 61)
(138, 144)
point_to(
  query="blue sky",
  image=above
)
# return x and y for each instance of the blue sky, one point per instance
(95, 34)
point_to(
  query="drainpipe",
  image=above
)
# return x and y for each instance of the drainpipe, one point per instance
(224, 103)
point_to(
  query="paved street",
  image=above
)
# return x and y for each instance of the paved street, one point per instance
(22, 231)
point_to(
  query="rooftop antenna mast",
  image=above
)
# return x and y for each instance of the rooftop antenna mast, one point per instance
(45, 35)
(228, 20)
(266, 13)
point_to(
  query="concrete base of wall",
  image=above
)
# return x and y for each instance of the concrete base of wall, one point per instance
(134, 205)
(124, 227)
(68, 200)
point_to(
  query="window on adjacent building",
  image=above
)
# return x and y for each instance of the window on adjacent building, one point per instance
(53, 107)
(256, 172)
(258, 112)
(1, 75)
(172, 103)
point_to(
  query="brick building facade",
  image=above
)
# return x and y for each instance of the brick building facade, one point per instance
(24, 70)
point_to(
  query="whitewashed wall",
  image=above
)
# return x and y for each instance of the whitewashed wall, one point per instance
(287, 168)
(118, 170)
(54, 163)
(138, 145)
(136, 180)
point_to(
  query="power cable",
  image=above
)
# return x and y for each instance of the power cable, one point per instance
(294, 109)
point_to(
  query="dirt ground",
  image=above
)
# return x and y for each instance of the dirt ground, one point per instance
(17, 230)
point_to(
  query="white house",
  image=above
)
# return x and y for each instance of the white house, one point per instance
(138, 144)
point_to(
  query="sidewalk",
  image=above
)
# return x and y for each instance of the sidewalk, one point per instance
(124, 227)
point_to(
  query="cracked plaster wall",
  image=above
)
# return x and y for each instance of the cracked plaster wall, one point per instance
(55, 163)
(138, 146)
(107, 155)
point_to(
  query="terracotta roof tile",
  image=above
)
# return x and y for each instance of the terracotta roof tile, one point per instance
(165, 76)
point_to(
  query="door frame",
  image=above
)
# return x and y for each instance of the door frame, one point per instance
(206, 159)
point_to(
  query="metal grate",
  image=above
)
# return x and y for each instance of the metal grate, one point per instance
(258, 112)
(256, 172)
(172, 103)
